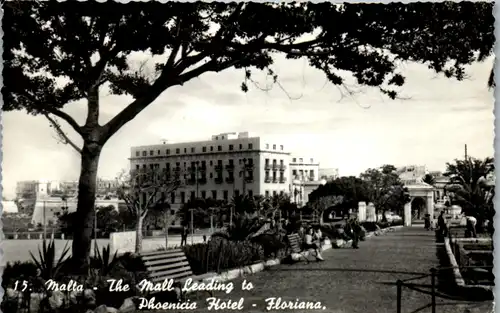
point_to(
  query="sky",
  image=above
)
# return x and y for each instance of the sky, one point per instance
(429, 125)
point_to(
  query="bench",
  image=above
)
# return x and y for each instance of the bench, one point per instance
(296, 245)
(169, 264)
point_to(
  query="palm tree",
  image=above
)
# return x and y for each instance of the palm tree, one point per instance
(469, 187)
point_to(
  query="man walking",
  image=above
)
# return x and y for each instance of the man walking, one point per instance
(184, 234)
(442, 227)
(471, 227)
(356, 231)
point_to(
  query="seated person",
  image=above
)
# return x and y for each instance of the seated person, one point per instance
(318, 235)
(309, 243)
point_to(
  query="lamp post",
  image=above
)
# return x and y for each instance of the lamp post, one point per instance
(95, 227)
(192, 226)
(196, 177)
(244, 175)
(44, 222)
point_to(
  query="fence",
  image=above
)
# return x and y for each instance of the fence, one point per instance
(404, 283)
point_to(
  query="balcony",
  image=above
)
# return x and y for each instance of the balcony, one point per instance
(282, 167)
(267, 179)
(191, 181)
(249, 166)
(275, 166)
(218, 167)
(218, 180)
(202, 180)
(282, 180)
(230, 167)
(275, 180)
(267, 166)
(249, 179)
(230, 180)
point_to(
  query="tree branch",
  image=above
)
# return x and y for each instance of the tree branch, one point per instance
(64, 138)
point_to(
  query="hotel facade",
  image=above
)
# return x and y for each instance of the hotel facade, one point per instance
(228, 165)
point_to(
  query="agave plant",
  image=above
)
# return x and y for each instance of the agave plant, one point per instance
(104, 262)
(47, 265)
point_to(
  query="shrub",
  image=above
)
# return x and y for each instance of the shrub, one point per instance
(48, 266)
(104, 261)
(220, 254)
(18, 271)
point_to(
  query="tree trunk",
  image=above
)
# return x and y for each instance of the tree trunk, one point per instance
(138, 235)
(82, 232)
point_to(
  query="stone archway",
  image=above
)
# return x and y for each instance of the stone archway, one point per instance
(418, 189)
(418, 208)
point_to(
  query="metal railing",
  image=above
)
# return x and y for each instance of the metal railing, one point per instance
(404, 283)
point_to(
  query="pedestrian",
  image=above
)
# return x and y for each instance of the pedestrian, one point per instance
(356, 232)
(184, 233)
(204, 238)
(427, 221)
(471, 227)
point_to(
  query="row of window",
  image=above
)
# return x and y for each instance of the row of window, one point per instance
(274, 147)
(192, 150)
(301, 160)
(302, 173)
(203, 164)
(214, 194)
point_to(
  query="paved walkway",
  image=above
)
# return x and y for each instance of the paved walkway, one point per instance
(355, 281)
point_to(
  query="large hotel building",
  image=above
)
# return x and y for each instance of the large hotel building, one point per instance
(228, 165)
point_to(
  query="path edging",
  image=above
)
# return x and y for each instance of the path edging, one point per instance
(259, 267)
(459, 280)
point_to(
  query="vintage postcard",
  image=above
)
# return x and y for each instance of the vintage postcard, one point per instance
(253, 157)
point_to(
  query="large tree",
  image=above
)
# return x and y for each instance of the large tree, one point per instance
(59, 54)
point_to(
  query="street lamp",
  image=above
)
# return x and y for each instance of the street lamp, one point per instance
(244, 175)
(196, 177)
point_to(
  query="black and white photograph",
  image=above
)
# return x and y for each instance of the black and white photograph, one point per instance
(248, 156)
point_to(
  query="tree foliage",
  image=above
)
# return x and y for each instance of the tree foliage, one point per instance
(429, 179)
(469, 188)
(60, 54)
(352, 189)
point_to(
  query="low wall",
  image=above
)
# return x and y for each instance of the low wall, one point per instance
(122, 242)
(459, 281)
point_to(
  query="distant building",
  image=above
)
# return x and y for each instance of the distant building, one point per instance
(36, 189)
(329, 174)
(412, 173)
(49, 209)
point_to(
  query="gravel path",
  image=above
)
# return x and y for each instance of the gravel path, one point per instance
(354, 280)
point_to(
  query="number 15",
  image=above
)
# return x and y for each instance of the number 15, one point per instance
(24, 285)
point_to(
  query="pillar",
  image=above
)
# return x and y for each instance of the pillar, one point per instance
(407, 214)
(362, 211)
(371, 214)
